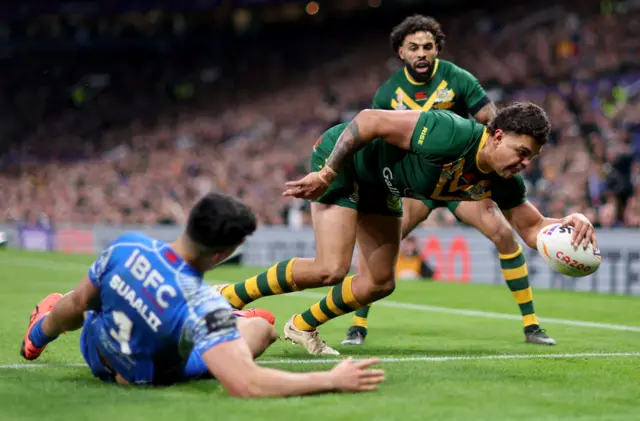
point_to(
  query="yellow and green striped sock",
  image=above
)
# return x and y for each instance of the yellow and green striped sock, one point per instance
(516, 274)
(339, 301)
(360, 316)
(277, 280)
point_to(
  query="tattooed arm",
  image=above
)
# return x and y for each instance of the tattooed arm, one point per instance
(486, 113)
(395, 127)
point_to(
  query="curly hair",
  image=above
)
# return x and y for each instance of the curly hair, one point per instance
(413, 24)
(523, 118)
(218, 221)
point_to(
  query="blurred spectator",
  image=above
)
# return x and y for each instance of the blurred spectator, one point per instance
(140, 137)
(410, 263)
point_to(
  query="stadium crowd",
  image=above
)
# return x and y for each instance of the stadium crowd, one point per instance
(143, 150)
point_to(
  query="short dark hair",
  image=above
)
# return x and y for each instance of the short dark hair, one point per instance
(218, 221)
(523, 118)
(413, 24)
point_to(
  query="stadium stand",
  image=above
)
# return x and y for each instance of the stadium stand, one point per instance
(126, 137)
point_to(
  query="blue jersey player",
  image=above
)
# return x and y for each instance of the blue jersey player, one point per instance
(147, 317)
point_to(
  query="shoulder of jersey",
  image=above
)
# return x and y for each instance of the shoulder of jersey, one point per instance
(445, 67)
(134, 237)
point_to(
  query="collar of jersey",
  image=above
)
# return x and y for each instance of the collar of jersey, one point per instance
(483, 141)
(413, 82)
(174, 260)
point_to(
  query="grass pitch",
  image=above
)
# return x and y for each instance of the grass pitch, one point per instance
(451, 352)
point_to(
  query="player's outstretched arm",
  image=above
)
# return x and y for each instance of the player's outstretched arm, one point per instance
(395, 127)
(68, 314)
(232, 364)
(528, 221)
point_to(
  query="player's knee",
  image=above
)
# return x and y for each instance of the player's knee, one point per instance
(332, 273)
(266, 331)
(258, 334)
(270, 334)
(383, 286)
(502, 236)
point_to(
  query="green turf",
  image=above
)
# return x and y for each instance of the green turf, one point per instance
(575, 388)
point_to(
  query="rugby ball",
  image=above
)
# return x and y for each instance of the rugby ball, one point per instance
(554, 246)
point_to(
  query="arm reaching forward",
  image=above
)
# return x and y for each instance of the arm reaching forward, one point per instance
(528, 222)
(231, 363)
(395, 127)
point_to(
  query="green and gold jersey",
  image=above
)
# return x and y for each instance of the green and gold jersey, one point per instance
(441, 165)
(450, 88)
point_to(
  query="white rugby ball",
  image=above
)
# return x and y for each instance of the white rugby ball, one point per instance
(554, 246)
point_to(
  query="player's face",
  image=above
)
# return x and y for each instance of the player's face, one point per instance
(513, 153)
(419, 52)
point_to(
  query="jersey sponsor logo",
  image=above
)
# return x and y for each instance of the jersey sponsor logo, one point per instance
(154, 289)
(444, 95)
(421, 96)
(387, 174)
(444, 99)
(219, 320)
(423, 134)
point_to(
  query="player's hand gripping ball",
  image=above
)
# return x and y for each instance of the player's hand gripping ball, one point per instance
(556, 249)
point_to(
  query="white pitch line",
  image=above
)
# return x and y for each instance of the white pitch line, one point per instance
(69, 266)
(465, 358)
(37, 365)
(485, 314)
(397, 360)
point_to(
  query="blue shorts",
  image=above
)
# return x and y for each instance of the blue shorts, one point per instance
(89, 349)
(194, 369)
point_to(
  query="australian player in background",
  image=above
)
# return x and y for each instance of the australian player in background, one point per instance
(147, 316)
(427, 82)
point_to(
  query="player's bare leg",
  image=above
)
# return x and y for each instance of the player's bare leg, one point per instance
(414, 213)
(378, 244)
(487, 218)
(258, 333)
(335, 232)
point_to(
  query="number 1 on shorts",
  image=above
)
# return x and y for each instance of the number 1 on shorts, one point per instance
(123, 334)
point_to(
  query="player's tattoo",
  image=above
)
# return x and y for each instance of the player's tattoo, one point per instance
(347, 145)
(486, 113)
(493, 209)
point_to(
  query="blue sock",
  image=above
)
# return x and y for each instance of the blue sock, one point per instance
(38, 337)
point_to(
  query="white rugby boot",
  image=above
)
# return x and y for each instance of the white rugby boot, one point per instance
(310, 340)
